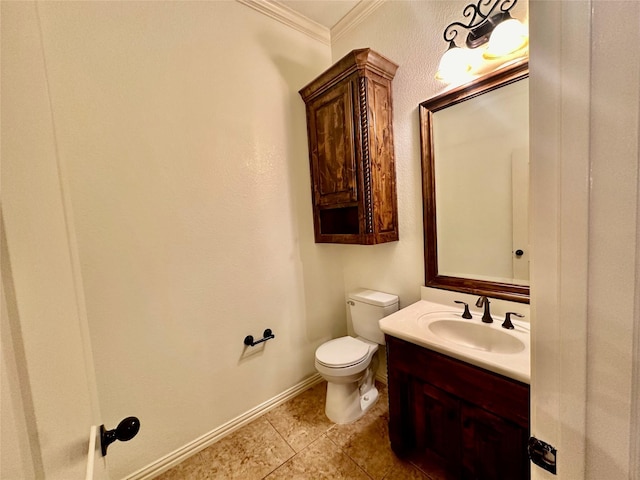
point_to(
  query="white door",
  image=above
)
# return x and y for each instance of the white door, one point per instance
(559, 126)
(54, 383)
(96, 463)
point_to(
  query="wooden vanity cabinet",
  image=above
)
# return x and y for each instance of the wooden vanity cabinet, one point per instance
(350, 133)
(455, 420)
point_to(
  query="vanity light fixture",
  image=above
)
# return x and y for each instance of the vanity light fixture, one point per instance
(455, 63)
(491, 35)
(508, 37)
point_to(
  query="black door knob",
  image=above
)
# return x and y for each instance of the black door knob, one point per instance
(519, 253)
(125, 431)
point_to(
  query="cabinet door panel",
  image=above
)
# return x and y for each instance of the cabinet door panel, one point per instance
(333, 156)
(382, 156)
(493, 449)
(438, 425)
(401, 413)
(439, 420)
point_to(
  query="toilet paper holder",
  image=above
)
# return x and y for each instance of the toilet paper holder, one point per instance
(267, 335)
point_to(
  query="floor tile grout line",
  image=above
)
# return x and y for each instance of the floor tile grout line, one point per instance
(349, 456)
(346, 454)
(324, 434)
(285, 441)
(282, 437)
(295, 454)
(326, 430)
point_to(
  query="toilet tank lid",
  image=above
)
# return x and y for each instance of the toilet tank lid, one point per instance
(373, 297)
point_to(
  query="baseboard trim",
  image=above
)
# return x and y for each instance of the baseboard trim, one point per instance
(174, 458)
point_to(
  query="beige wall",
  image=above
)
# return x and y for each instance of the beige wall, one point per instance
(16, 456)
(410, 34)
(49, 400)
(48, 397)
(182, 139)
(184, 142)
(398, 30)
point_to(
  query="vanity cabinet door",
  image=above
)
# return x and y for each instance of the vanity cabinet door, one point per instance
(493, 449)
(437, 425)
(401, 412)
(332, 149)
(454, 420)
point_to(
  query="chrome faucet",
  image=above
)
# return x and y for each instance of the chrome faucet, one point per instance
(484, 302)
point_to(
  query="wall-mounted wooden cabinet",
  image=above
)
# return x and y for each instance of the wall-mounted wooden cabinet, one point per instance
(454, 420)
(349, 125)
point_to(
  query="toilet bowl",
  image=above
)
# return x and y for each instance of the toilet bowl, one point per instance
(346, 364)
(349, 364)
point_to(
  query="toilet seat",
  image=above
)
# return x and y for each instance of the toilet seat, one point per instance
(342, 352)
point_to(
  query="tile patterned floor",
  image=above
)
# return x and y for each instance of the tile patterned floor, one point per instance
(296, 441)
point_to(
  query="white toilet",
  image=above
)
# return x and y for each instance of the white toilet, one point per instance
(349, 364)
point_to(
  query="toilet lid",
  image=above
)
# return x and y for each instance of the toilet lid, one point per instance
(342, 352)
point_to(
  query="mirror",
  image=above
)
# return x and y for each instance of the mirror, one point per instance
(475, 186)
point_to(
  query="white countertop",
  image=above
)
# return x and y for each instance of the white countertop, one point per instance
(412, 324)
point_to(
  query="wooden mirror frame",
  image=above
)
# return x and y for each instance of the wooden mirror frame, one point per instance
(492, 81)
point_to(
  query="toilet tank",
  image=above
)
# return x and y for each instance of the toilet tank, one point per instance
(367, 307)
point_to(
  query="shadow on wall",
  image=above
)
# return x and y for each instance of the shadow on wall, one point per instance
(319, 267)
(14, 365)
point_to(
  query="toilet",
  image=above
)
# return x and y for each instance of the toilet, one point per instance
(349, 364)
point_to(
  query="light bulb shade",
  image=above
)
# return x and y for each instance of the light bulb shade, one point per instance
(454, 64)
(507, 38)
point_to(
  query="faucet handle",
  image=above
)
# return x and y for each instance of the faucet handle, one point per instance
(507, 320)
(467, 313)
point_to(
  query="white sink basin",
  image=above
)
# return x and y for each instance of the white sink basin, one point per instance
(441, 328)
(479, 337)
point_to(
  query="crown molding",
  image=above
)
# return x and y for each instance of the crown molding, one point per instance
(357, 14)
(287, 16)
(291, 18)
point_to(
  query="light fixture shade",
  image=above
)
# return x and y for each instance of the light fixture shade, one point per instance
(454, 64)
(507, 38)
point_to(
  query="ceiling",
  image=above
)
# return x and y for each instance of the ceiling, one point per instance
(324, 12)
